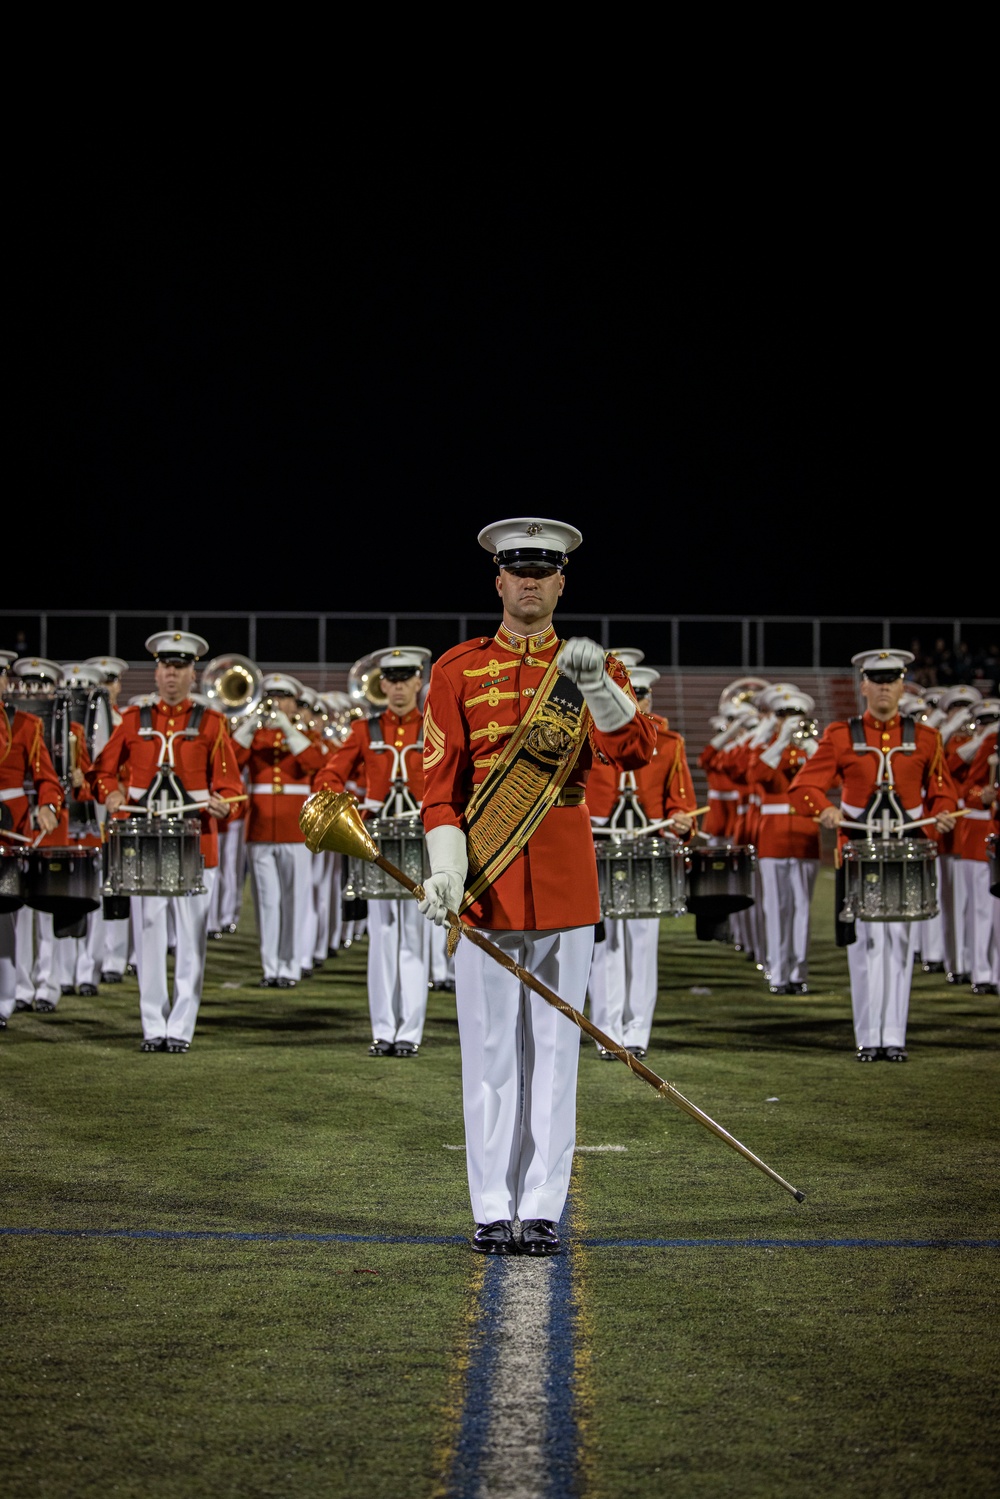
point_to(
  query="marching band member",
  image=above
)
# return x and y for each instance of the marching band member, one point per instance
(280, 761)
(930, 953)
(882, 761)
(79, 960)
(787, 844)
(112, 669)
(24, 760)
(955, 707)
(311, 719)
(388, 747)
(979, 794)
(512, 724)
(117, 929)
(177, 752)
(623, 974)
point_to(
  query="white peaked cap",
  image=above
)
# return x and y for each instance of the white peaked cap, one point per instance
(111, 666)
(282, 683)
(882, 660)
(177, 643)
(988, 708)
(82, 674)
(961, 693)
(414, 656)
(643, 676)
(529, 538)
(38, 666)
(781, 696)
(628, 656)
(912, 702)
(7, 658)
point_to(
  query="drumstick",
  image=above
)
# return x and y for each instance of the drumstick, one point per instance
(18, 836)
(925, 820)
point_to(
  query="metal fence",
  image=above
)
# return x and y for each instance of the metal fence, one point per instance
(759, 643)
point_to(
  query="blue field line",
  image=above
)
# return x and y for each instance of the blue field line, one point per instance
(790, 1243)
(233, 1236)
(562, 1437)
(463, 1481)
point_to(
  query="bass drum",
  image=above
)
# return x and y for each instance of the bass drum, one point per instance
(889, 879)
(65, 882)
(13, 878)
(720, 880)
(401, 841)
(640, 876)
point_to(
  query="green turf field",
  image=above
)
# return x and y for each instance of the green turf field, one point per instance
(729, 1341)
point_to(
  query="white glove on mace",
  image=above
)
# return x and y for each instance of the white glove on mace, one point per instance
(444, 887)
(582, 662)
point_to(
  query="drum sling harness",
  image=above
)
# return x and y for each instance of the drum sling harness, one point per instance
(882, 800)
(524, 779)
(166, 782)
(400, 802)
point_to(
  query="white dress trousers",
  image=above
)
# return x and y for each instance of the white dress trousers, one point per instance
(164, 1014)
(982, 921)
(623, 975)
(280, 880)
(787, 887)
(880, 963)
(399, 952)
(519, 1066)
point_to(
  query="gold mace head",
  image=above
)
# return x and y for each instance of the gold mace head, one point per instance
(331, 821)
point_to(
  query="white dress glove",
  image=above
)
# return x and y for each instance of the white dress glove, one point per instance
(968, 751)
(772, 755)
(444, 887)
(582, 662)
(244, 734)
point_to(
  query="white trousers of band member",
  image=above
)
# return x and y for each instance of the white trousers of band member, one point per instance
(35, 956)
(317, 932)
(117, 941)
(930, 937)
(787, 886)
(8, 971)
(951, 899)
(336, 928)
(519, 1065)
(982, 921)
(622, 983)
(880, 963)
(80, 960)
(280, 877)
(227, 897)
(399, 952)
(165, 1014)
(442, 967)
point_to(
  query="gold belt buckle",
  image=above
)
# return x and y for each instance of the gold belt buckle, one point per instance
(570, 796)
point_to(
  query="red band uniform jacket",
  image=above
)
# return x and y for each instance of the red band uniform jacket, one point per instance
(782, 833)
(663, 787)
(278, 783)
(204, 763)
(25, 759)
(358, 767)
(479, 692)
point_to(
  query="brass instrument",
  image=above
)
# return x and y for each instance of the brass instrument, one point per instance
(232, 685)
(743, 690)
(363, 681)
(806, 728)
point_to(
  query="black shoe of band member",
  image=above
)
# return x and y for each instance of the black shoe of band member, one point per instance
(44, 1006)
(110, 977)
(67, 988)
(382, 1049)
(155, 1043)
(287, 983)
(539, 1236)
(495, 1238)
(636, 1051)
(175, 1045)
(22, 1004)
(932, 967)
(868, 1053)
(986, 989)
(959, 978)
(268, 984)
(895, 1053)
(405, 1048)
(87, 991)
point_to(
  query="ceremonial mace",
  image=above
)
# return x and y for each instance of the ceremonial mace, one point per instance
(330, 821)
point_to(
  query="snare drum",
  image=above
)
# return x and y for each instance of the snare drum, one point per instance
(66, 882)
(13, 878)
(154, 856)
(720, 879)
(640, 876)
(889, 879)
(401, 841)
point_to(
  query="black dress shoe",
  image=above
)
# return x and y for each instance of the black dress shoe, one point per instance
(895, 1053)
(382, 1049)
(932, 967)
(868, 1053)
(405, 1048)
(156, 1044)
(214, 936)
(780, 989)
(606, 1055)
(87, 991)
(66, 989)
(110, 977)
(636, 1051)
(985, 989)
(959, 978)
(22, 1004)
(539, 1236)
(231, 929)
(44, 1006)
(287, 983)
(268, 984)
(798, 988)
(495, 1238)
(174, 1045)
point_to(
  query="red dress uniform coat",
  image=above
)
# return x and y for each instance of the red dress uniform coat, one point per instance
(479, 692)
(663, 786)
(204, 763)
(278, 783)
(785, 833)
(80, 756)
(921, 780)
(972, 831)
(24, 757)
(357, 764)
(723, 794)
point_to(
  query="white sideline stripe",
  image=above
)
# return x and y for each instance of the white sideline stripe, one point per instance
(513, 1462)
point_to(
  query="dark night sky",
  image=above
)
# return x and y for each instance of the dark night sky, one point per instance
(317, 403)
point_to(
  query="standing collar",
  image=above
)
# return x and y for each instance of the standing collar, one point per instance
(523, 643)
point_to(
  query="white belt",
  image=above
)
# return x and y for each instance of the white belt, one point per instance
(12, 794)
(294, 788)
(853, 813)
(137, 792)
(770, 808)
(723, 796)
